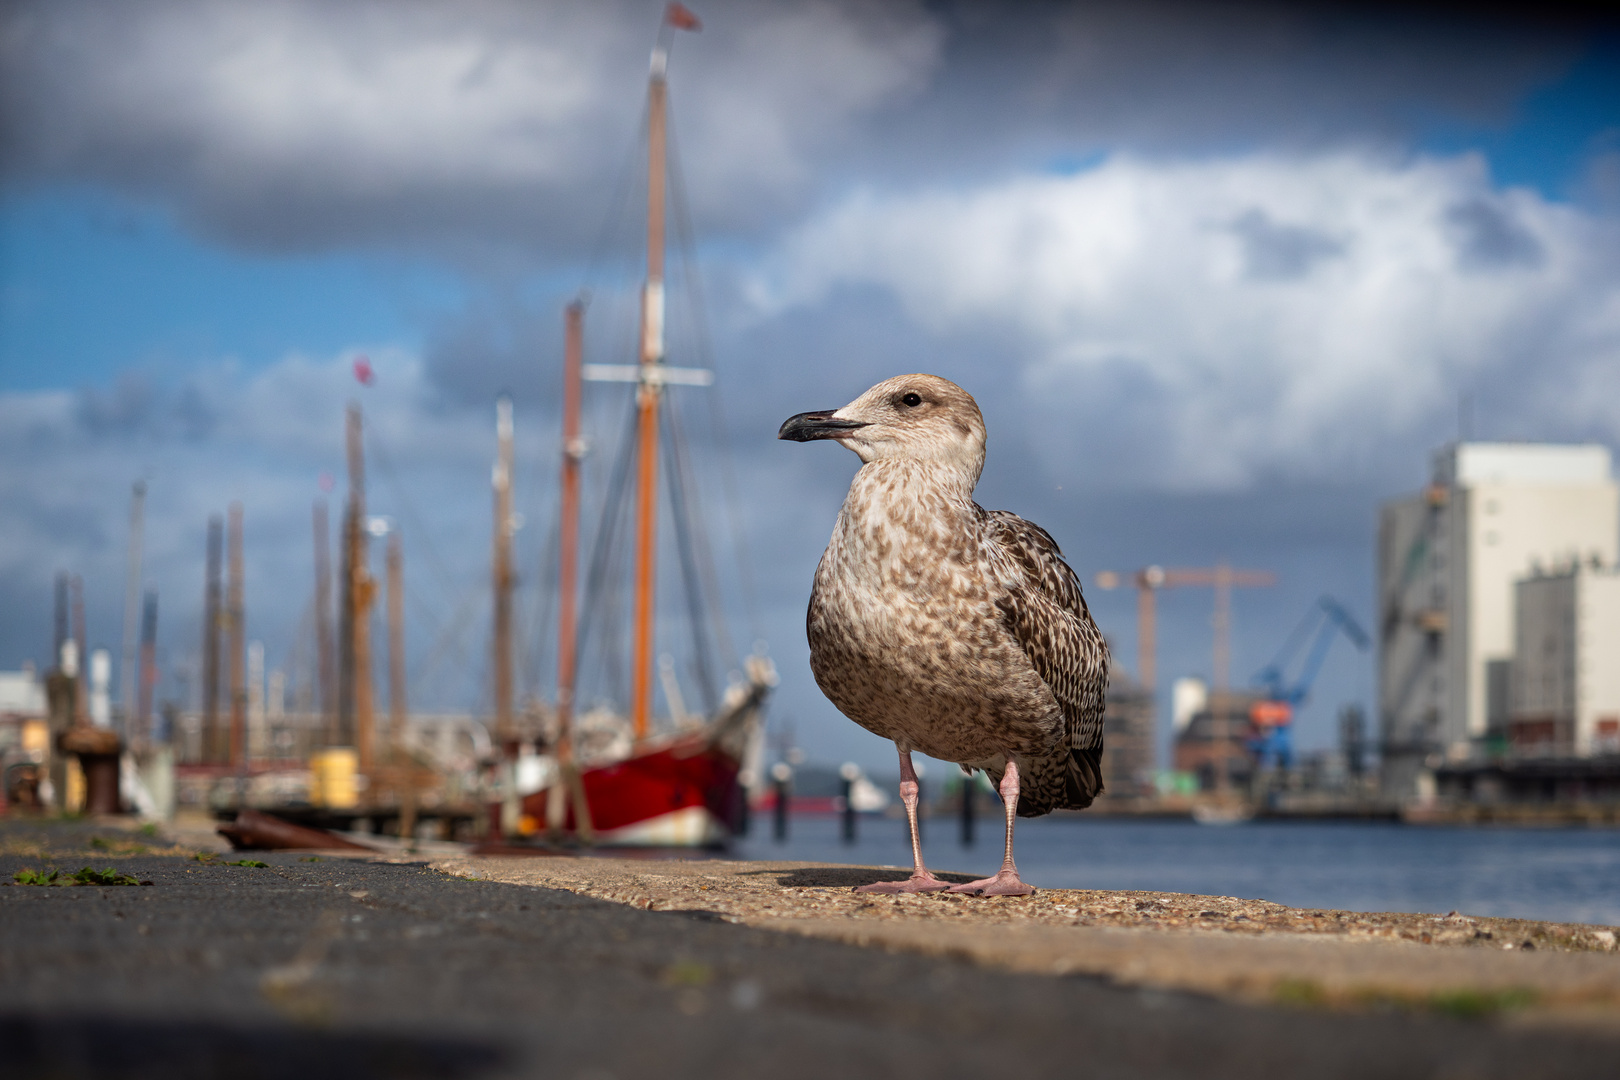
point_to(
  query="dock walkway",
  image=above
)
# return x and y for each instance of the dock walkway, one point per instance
(451, 965)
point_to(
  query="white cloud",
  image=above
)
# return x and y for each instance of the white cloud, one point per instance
(1204, 324)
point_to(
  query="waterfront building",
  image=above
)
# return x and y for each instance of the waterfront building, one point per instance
(1128, 750)
(1566, 663)
(1448, 561)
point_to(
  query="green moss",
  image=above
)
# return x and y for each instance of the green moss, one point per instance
(1475, 1004)
(1299, 992)
(1463, 1003)
(109, 876)
(688, 973)
(250, 862)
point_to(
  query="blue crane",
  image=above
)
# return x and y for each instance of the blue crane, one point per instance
(1273, 715)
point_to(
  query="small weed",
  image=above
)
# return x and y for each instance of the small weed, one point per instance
(309, 858)
(1476, 1004)
(205, 856)
(99, 844)
(1299, 992)
(688, 973)
(149, 829)
(250, 862)
(1463, 1004)
(109, 876)
(35, 877)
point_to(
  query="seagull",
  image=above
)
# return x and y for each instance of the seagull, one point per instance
(954, 631)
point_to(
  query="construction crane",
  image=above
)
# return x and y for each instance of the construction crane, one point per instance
(1273, 714)
(1151, 579)
(1148, 581)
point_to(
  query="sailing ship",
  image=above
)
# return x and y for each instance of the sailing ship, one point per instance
(603, 775)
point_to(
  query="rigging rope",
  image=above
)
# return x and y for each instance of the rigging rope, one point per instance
(686, 246)
(598, 579)
(680, 509)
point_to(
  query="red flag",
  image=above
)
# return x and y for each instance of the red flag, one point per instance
(362, 370)
(680, 18)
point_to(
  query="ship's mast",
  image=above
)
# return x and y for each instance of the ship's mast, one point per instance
(501, 481)
(649, 395)
(128, 674)
(325, 663)
(236, 626)
(568, 787)
(359, 593)
(568, 548)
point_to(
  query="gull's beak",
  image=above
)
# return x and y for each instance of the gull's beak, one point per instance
(809, 426)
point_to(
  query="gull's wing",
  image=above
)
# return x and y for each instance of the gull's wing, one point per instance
(1041, 604)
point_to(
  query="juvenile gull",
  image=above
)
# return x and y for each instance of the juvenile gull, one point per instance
(953, 630)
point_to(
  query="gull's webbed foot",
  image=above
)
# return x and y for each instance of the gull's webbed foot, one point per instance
(1006, 883)
(916, 883)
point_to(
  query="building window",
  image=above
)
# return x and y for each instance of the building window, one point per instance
(1606, 735)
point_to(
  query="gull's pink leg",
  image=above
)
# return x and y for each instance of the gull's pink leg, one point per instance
(1006, 882)
(921, 880)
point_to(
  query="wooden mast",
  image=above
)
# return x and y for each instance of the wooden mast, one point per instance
(236, 623)
(501, 481)
(325, 662)
(648, 398)
(568, 546)
(404, 773)
(396, 643)
(128, 673)
(211, 749)
(568, 787)
(360, 591)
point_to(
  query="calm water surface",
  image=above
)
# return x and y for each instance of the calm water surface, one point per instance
(1566, 875)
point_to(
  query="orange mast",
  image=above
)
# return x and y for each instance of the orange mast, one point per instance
(648, 398)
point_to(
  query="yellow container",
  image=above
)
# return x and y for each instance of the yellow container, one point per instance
(36, 736)
(333, 778)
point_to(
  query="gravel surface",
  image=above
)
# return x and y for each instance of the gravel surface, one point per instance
(314, 966)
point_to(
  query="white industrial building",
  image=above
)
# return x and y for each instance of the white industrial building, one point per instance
(1448, 561)
(1566, 664)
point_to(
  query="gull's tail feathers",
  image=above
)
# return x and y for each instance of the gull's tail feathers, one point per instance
(1068, 780)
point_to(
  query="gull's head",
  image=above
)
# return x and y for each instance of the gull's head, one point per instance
(906, 418)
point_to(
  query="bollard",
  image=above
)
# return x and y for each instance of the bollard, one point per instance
(782, 781)
(848, 773)
(848, 812)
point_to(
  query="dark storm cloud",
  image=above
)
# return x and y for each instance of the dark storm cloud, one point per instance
(300, 125)
(296, 125)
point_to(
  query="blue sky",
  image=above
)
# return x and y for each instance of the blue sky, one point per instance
(186, 237)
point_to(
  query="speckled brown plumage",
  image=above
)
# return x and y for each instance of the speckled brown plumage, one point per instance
(952, 630)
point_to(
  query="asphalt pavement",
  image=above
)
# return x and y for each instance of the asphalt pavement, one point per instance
(357, 969)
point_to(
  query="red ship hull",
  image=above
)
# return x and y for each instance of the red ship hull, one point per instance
(685, 794)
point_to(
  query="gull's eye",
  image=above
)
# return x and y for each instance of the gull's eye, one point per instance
(913, 399)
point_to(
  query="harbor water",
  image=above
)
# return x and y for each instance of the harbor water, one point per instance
(1562, 875)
